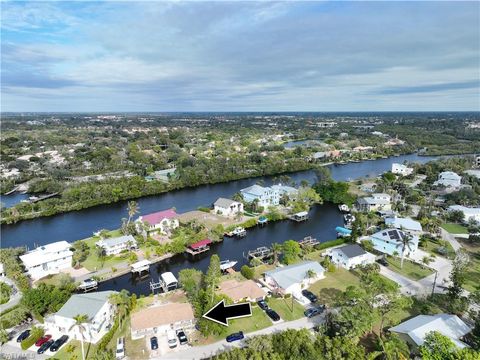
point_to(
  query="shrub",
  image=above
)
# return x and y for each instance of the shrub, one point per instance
(13, 317)
(331, 243)
(102, 344)
(204, 209)
(247, 272)
(5, 292)
(35, 334)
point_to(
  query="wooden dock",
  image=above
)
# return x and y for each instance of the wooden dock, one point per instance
(261, 253)
(308, 241)
(199, 247)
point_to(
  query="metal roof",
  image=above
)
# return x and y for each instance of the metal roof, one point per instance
(352, 250)
(224, 202)
(288, 275)
(84, 304)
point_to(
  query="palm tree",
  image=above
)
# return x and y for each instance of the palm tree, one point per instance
(79, 321)
(426, 260)
(276, 248)
(405, 243)
(122, 302)
(311, 274)
(132, 210)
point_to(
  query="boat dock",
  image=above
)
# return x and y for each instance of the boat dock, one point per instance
(199, 247)
(34, 199)
(308, 241)
(167, 282)
(140, 266)
(299, 217)
(238, 231)
(262, 220)
(88, 285)
(261, 253)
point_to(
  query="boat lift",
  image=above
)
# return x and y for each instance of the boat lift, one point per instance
(167, 282)
(141, 266)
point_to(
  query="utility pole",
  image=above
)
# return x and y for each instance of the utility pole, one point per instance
(434, 282)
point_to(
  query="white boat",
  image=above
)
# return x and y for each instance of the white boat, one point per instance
(239, 231)
(88, 285)
(343, 208)
(227, 264)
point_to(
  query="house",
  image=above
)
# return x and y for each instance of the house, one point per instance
(116, 245)
(449, 179)
(389, 241)
(350, 256)
(406, 224)
(401, 169)
(159, 319)
(96, 306)
(265, 195)
(162, 222)
(469, 214)
(369, 187)
(415, 330)
(241, 290)
(2, 270)
(227, 207)
(164, 175)
(292, 278)
(48, 259)
(284, 190)
(477, 160)
(375, 202)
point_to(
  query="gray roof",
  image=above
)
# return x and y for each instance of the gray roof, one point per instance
(292, 274)
(254, 189)
(404, 223)
(118, 240)
(84, 304)
(352, 250)
(223, 202)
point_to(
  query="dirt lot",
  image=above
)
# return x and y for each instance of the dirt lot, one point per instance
(210, 220)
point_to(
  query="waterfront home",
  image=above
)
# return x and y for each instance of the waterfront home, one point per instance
(164, 175)
(266, 196)
(159, 222)
(241, 290)
(116, 245)
(350, 256)
(292, 279)
(227, 207)
(369, 187)
(284, 190)
(406, 224)
(448, 179)
(469, 214)
(96, 306)
(157, 320)
(415, 330)
(48, 259)
(401, 169)
(375, 202)
(389, 241)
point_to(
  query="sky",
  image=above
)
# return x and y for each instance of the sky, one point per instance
(240, 56)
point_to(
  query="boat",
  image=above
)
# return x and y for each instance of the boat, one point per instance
(344, 208)
(88, 285)
(227, 264)
(348, 218)
(239, 231)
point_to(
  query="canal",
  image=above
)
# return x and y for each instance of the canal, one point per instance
(77, 225)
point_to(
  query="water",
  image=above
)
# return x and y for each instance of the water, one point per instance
(12, 199)
(81, 224)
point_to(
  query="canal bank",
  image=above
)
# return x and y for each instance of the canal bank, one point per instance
(81, 224)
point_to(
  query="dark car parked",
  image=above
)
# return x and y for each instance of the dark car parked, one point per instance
(182, 338)
(58, 343)
(312, 312)
(272, 314)
(154, 343)
(235, 336)
(23, 336)
(383, 261)
(262, 304)
(309, 295)
(45, 346)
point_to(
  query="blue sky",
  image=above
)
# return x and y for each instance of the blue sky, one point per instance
(240, 56)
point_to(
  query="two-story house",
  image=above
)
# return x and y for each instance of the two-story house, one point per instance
(160, 222)
(116, 245)
(375, 202)
(48, 259)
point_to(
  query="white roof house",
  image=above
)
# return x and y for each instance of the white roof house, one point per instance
(406, 224)
(390, 241)
(375, 202)
(449, 179)
(468, 213)
(415, 330)
(96, 306)
(118, 244)
(227, 207)
(401, 169)
(350, 256)
(292, 278)
(48, 259)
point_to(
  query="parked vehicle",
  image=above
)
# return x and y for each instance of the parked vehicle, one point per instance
(120, 353)
(309, 313)
(272, 314)
(235, 336)
(172, 339)
(23, 336)
(58, 343)
(45, 346)
(154, 343)
(43, 340)
(182, 338)
(309, 295)
(262, 304)
(383, 261)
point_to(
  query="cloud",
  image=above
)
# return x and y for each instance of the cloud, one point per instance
(431, 88)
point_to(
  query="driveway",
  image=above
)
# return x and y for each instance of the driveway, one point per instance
(14, 298)
(451, 239)
(206, 351)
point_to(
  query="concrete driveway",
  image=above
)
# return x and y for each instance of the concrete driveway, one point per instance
(14, 298)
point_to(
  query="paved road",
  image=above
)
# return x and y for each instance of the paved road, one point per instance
(451, 239)
(205, 351)
(14, 298)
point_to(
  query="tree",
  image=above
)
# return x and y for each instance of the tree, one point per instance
(311, 274)
(458, 303)
(405, 242)
(439, 347)
(3, 336)
(393, 348)
(247, 272)
(79, 321)
(213, 275)
(191, 281)
(133, 209)
(276, 249)
(291, 251)
(123, 304)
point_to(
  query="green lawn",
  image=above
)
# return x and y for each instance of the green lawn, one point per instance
(284, 308)
(455, 228)
(410, 269)
(73, 350)
(433, 246)
(472, 273)
(334, 283)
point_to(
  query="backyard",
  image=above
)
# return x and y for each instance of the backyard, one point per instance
(433, 246)
(454, 228)
(410, 269)
(334, 283)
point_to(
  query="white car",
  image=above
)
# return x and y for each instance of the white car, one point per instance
(172, 339)
(120, 353)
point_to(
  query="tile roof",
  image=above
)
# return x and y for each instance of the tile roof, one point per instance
(157, 217)
(238, 290)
